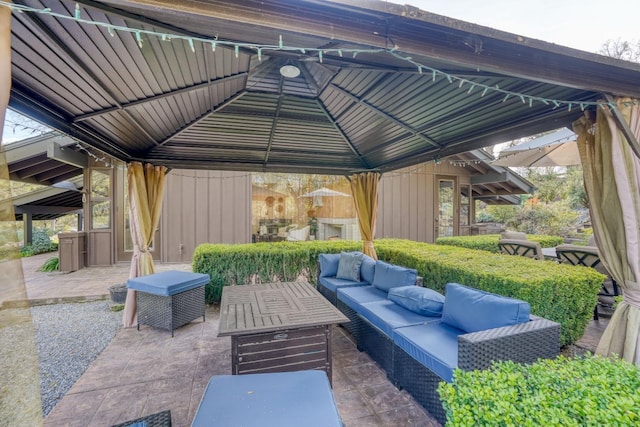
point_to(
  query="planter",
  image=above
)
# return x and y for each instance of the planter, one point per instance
(118, 293)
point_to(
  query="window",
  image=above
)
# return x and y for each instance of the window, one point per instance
(100, 182)
(302, 207)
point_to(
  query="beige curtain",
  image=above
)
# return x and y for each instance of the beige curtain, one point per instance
(19, 390)
(146, 189)
(612, 181)
(364, 187)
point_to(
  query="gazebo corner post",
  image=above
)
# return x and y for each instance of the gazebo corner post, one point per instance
(146, 190)
(364, 188)
(611, 169)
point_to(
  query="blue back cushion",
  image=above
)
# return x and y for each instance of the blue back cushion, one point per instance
(349, 266)
(424, 301)
(389, 276)
(367, 269)
(328, 264)
(473, 310)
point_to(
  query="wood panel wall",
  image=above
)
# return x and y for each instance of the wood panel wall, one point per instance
(406, 200)
(204, 207)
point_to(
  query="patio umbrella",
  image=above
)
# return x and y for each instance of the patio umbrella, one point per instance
(325, 192)
(558, 148)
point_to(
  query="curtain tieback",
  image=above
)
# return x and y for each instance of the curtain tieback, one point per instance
(367, 244)
(632, 296)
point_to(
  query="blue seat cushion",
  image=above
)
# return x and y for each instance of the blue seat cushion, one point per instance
(424, 301)
(354, 297)
(474, 310)
(333, 283)
(168, 283)
(387, 316)
(434, 345)
(389, 276)
(328, 264)
(283, 399)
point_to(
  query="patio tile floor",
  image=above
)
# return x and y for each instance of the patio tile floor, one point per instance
(148, 371)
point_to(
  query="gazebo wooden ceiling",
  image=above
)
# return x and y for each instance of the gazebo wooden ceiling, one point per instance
(436, 87)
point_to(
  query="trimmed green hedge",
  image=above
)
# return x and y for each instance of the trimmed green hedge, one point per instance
(489, 242)
(562, 293)
(585, 391)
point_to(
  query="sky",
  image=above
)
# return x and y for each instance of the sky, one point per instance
(580, 24)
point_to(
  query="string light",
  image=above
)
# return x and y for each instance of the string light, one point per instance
(280, 46)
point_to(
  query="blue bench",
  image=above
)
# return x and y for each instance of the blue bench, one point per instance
(169, 299)
(283, 399)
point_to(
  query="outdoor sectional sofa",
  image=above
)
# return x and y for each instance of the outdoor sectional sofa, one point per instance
(419, 337)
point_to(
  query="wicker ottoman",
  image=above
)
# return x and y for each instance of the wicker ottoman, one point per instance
(169, 299)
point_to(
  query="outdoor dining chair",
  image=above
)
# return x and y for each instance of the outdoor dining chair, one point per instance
(589, 256)
(526, 248)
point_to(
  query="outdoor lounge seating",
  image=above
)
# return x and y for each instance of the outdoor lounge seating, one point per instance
(589, 256)
(283, 399)
(526, 248)
(169, 299)
(419, 336)
(360, 272)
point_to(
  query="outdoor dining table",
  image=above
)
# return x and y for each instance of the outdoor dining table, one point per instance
(278, 327)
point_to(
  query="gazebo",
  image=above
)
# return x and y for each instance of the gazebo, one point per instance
(356, 88)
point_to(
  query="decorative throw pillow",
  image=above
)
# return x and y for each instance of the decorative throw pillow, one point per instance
(349, 266)
(328, 264)
(424, 301)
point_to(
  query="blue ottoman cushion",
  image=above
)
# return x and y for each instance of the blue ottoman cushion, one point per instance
(474, 310)
(283, 399)
(168, 283)
(434, 345)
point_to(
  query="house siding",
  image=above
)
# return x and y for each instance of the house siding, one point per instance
(204, 207)
(406, 200)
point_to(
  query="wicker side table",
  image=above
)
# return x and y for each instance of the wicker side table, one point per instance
(169, 299)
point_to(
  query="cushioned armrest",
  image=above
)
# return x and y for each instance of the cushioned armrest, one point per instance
(522, 343)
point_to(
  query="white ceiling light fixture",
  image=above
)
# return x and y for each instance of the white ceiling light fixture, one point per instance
(289, 71)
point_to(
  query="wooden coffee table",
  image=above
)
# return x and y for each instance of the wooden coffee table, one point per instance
(278, 327)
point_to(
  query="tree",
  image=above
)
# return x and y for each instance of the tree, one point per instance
(621, 49)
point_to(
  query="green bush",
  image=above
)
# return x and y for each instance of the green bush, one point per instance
(563, 293)
(261, 262)
(489, 242)
(585, 391)
(40, 243)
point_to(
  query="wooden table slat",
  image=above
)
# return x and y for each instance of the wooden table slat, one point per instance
(274, 306)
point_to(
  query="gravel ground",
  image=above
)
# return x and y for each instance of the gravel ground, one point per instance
(68, 338)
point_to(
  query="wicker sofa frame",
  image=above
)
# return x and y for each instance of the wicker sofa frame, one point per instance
(522, 343)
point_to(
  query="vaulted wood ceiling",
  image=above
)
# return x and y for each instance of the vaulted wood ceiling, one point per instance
(184, 104)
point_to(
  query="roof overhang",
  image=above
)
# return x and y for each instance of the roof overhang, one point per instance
(193, 84)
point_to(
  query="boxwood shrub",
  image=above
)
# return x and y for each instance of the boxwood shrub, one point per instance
(562, 293)
(585, 391)
(489, 242)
